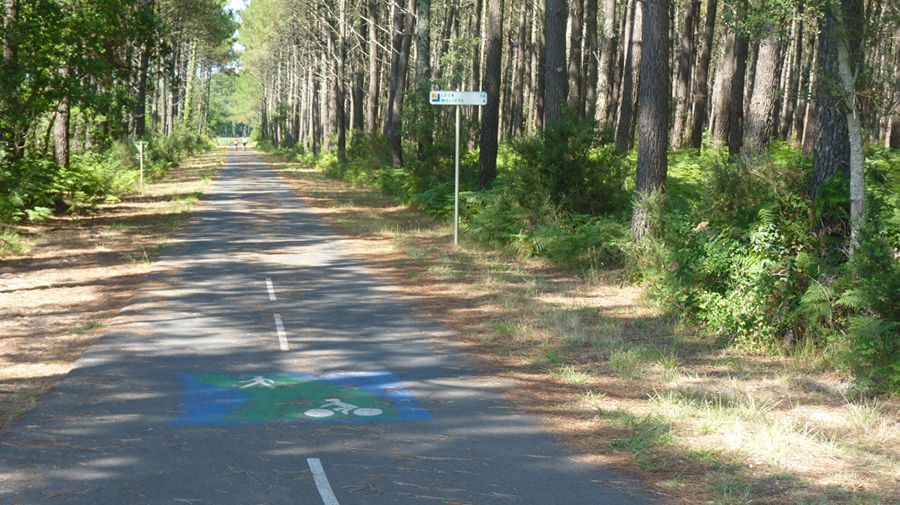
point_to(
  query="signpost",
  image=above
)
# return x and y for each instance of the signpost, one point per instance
(457, 98)
(141, 144)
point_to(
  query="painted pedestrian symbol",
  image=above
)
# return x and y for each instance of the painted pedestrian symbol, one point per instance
(259, 380)
(292, 397)
(333, 405)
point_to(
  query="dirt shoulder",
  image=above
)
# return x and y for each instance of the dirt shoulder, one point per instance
(618, 381)
(79, 272)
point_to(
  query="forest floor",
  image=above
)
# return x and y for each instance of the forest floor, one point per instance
(76, 275)
(618, 380)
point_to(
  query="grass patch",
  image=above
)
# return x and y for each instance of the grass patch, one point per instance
(628, 362)
(11, 242)
(86, 327)
(731, 490)
(570, 375)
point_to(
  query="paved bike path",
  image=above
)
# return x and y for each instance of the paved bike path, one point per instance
(118, 430)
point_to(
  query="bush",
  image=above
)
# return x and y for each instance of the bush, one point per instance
(741, 250)
(743, 259)
(33, 189)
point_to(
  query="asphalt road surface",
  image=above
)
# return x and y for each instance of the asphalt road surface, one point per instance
(261, 364)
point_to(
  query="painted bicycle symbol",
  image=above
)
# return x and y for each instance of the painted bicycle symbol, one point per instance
(333, 405)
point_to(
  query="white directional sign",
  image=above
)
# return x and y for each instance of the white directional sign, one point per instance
(458, 98)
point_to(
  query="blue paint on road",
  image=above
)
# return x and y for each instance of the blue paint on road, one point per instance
(291, 397)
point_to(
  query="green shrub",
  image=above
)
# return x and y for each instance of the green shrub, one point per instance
(33, 188)
(872, 301)
(742, 250)
(748, 257)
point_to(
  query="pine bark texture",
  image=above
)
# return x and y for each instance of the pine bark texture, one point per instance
(683, 77)
(854, 130)
(631, 75)
(591, 59)
(607, 62)
(374, 79)
(555, 82)
(729, 97)
(576, 96)
(653, 113)
(701, 78)
(423, 74)
(758, 129)
(487, 164)
(61, 122)
(831, 151)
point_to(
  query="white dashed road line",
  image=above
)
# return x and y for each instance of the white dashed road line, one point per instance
(271, 290)
(282, 337)
(315, 466)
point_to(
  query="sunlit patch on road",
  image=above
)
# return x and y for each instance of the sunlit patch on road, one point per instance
(296, 397)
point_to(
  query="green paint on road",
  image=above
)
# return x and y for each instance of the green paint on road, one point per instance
(289, 397)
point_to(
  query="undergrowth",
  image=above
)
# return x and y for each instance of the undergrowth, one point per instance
(742, 251)
(34, 188)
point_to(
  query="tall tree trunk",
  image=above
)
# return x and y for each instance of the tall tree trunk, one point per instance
(792, 85)
(617, 64)
(423, 76)
(374, 81)
(393, 128)
(340, 85)
(518, 87)
(805, 122)
(397, 29)
(190, 87)
(358, 93)
(61, 125)
(315, 118)
(476, 33)
(140, 105)
(607, 63)
(451, 20)
(10, 15)
(831, 148)
(576, 82)
(729, 95)
(591, 56)
(631, 79)
(701, 78)
(683, 83)
(487, 163)
(9, 139)
(841, 26)
(758, 128)
(653, 113)
(854, 127)
(538, 70)
(892, 139)
(154, 107)
(555, 82)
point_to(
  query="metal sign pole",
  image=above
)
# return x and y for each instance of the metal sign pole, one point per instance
(141, 149)
(456, 186)
(141, 144)
(457, 98)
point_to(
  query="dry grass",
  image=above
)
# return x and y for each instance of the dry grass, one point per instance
(73, 273)
(619, 381)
